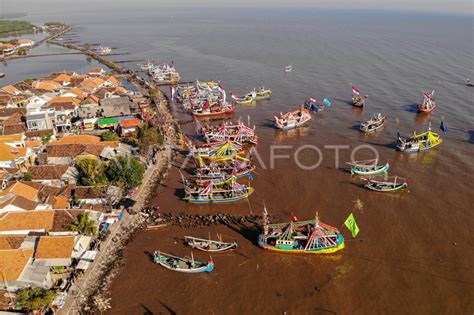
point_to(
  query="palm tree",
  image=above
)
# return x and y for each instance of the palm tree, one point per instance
(84, 225)
(91, 169)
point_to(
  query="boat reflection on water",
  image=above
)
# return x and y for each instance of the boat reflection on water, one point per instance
(282, 136)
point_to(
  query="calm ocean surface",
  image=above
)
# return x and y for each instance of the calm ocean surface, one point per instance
(393, 57)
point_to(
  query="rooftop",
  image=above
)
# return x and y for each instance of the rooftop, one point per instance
(47, 172)
(27, 220)
(52, 247)
(13, 262)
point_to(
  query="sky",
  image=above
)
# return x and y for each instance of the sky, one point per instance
(464, 7)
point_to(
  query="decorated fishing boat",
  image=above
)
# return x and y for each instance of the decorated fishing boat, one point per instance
(293, 119)
(419, 142)
(300, 237)
(210, 246)
(376, 122)
(428, 105)
(219, 174)
(263, 94)
(247, 99)
(368, 167)
(386, 184)
(210, 192)
(217, 151)
(182, 264)
(212, 110)
(229, 132)
(357, 100)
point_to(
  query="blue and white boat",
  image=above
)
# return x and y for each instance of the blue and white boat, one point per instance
(186, 265)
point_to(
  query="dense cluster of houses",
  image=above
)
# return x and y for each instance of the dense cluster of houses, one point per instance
(46, 126)
(12, 47)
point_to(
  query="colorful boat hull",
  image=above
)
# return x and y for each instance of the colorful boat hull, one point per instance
(290, 250)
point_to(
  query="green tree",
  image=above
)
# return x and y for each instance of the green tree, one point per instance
(91, 172)
(84, 225)
(27, 176)
(22, 51)
(45, 139)
(33, 299)
(148, 136)
(126, 172)
(109, 136)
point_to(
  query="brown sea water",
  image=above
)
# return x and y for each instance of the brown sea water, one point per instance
(415, 250)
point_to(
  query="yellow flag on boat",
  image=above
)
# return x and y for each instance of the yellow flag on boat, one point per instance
(351, 225)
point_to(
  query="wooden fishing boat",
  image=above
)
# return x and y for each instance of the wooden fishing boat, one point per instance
(2, 75)
(357, 100)
(368, 167)
(229, 132)
(210, 246)
(428, 105)
(300, 237)
(386, 184)
(219, 109)
(211, 193)
(293, 119)
(469, 83)
(288, 68)
(182, 264)
(217, 151)
(263, 94)
(313, 106)
(376, 122)
(238, 167)
(419, 142)
(247, 99)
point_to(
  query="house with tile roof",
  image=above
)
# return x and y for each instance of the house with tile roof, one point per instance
(63, 79)
(12, 203)
(53, 175)
(13, 263)
(54, 251)
(15, 140)
(25, 43)
(25, 222)
(10, 89)
(11, 157)
(47, 85)
(96, 72)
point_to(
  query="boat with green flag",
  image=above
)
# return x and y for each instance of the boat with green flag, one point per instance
(300, 237)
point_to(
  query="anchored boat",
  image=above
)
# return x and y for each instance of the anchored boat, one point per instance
(229, 132)
(357, 100)
(215, 170)
(209, 245)
(376, 122)
(289, 68)
(2, 75)
(419, 142)
(187, 265)
(292, 119)
(313, 106)
(300, 237)
(469, 83)
(387, 184)
(428, 105)
(210, 192)
(368, 167)
(263, 94)
(217, 151)
(217, 109)
(104, 51)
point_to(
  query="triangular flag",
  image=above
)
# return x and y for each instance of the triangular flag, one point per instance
(351, 225)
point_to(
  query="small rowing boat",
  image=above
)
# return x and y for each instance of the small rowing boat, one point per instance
(263, 94)
(428, 105)
(386, 184)
(186, 265)
(300, 237)
(210, 246)
(288, 68)
(419, 142)
(244, 100)
(293, 119)
(368, 167)
(376, 122)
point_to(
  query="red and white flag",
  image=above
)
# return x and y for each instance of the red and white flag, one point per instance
(294, 217)
(355, 91)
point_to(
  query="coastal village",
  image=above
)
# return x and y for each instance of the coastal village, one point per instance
(73, 146)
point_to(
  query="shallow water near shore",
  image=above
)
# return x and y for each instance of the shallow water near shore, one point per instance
(415, 250)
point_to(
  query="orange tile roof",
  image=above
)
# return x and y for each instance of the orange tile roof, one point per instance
(112, 80)
(64, 99)
(96, 70)
(83, 139)
(24, 41)
(27, 220)
(20, 189)
(128, 123)
(11, 138)
(78, 92)
(10, 89)
(62, 78)
(51, 247)
(7, 46)
(33, 144)
(46, 85)
(11, 241)
(8, 153)
(13, 262)
(93, 82)
(60, 202)
(18, 202)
